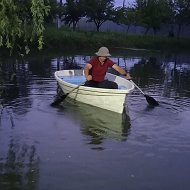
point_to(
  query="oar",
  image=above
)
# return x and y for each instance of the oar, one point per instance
(149, 99)
(61, 98)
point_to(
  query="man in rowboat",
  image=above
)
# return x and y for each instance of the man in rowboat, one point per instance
(97, 67)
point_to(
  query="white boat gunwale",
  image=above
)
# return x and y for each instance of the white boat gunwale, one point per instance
(93, 89)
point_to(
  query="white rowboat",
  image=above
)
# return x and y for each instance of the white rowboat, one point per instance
(109, 99)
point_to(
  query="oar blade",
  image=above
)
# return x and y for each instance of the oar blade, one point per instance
(151, 100)
(58, 100)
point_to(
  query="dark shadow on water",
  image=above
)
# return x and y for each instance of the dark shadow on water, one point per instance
(150, 108)
(98, 124)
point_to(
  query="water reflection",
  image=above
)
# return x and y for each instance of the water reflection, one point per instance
(98, 124)
(177, 78)
(146, 71)
(27, 89)
(19, 162)
(19, 166)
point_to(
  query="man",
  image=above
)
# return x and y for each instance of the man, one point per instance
(97, 67)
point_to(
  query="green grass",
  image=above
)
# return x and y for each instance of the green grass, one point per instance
(89, 41)
(68, 39)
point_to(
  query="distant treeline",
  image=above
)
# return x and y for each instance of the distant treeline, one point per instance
(150, 14)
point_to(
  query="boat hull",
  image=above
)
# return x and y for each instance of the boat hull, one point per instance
(109, 99)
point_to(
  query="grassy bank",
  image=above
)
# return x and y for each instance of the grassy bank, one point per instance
(88, 41)
(67, 39)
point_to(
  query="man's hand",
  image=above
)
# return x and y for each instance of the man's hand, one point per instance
(122, 71)
(89, 77)
(128, 76)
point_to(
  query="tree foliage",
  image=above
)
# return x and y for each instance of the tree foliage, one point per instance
(39, 10)
(21, 21)
(54, 10)
(125, 15)
(181, 13)
(99, 11)
(73, 12)
(152, 13)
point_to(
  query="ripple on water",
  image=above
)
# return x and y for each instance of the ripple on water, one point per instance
(165, 127)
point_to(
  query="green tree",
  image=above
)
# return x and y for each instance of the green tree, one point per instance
(152, 13)
(125, 15)
(99, 11)
(53, 12)
(21, 22)
(74, 11)
(60, 12)
(181, 13)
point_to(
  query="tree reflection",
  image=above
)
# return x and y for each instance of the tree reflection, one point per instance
(14, 79)
(147, 69)
(19, 169)
(20, 78)
(177, 76)
(171, 74)
(69, 62)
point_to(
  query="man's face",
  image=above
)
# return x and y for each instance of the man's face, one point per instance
(102, 58)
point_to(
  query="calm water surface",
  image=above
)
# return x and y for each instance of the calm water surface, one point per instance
(75, 146)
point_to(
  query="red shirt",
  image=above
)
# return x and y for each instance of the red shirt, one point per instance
(98, 70)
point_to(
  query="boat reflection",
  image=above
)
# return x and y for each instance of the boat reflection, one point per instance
(99, 124)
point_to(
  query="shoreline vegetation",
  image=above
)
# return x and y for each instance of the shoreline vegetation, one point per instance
(68, 39)
(65, 39)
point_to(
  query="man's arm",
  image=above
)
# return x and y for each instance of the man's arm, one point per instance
(121, 71)
(87, 70)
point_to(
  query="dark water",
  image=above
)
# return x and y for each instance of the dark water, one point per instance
(75, 146)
